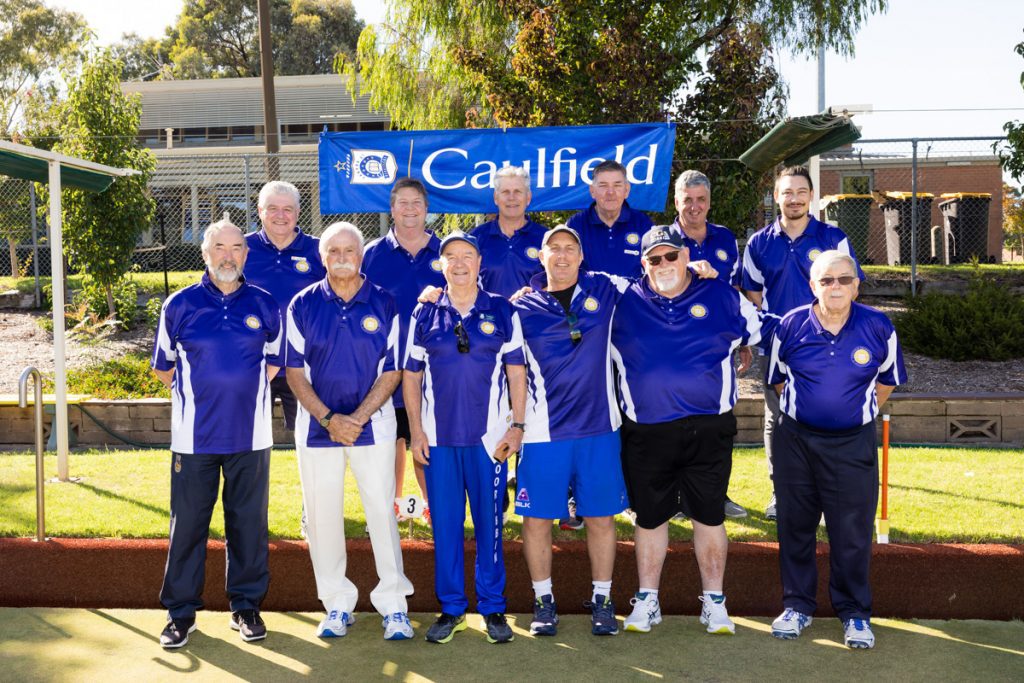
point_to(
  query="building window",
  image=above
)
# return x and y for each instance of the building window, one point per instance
(217, 134)
(373, 125)
(857, 183)
(194, 135)
(296, 131)
(243, 133)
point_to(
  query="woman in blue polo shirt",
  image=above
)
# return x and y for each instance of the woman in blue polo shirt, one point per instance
(834, 363)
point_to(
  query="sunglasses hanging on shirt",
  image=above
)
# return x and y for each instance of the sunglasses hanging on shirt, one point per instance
(461, 338)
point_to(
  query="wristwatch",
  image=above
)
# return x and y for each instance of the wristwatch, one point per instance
(326, 419)
(519, 425)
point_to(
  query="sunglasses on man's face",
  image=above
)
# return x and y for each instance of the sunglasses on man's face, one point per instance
(575, 335)
(671, 257)
(828, 280)
(461, 338)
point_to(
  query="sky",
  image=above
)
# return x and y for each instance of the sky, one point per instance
(935, 55)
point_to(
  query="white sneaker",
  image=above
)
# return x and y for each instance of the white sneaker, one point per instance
(858, 634)
(715, 617)
(397, 627)
(790, 624)
(646, 613)
(335, 625)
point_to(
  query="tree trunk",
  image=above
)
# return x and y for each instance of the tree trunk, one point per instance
(110, 300)
(13, 247)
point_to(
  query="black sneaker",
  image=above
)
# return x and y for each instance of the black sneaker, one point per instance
(602, 616)
(545, 617)
(498, 630)
(446, 626)
(175, 634)
(249, 625)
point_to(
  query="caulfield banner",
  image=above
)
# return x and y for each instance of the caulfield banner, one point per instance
(457, 167)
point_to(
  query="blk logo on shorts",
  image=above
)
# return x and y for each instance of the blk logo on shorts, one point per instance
(523, 499)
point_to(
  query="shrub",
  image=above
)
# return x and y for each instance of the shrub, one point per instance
(987, 323)
(127, 376)
(126, 296)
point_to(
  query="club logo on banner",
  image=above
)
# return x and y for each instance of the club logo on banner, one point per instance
(457, 167)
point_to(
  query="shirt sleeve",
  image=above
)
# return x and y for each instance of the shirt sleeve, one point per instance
(778, 372)
(164, 353)
(295, 355)
(415, 353)
(892, 372)
(391, 360)
(512, 350)
(274, 351)
(736, 277)
(751, 321)
(752, 280)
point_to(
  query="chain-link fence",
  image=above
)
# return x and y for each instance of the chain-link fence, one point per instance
(949, 189)
(912, 202)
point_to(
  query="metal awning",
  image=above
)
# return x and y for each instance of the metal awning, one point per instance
(58, 170)
(797, 139)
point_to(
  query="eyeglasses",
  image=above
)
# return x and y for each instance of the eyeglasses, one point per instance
(576, 335)
(828, 280)
(462, 339)
(671, 257)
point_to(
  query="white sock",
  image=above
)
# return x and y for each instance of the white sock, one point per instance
(714, 596)
(602, 588)
(542, 588)
(652, 593)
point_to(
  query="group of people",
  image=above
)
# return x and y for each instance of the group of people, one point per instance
(601, 353)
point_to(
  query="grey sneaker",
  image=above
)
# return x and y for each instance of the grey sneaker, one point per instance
(769, 511)
(733, 510)
(858, 635)
(790, 624)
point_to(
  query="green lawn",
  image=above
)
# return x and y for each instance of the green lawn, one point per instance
(148, 283)
(936, 494)
(1010, 272)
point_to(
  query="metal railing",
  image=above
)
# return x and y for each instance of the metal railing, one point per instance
(38, 404)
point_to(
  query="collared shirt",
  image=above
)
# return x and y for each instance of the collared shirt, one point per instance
(614, 250)
(830, 379)
(570, 392)
(718, 248)
(344, 347)
(283, 272)
(389, 265)
(219, 346)
(674, 356)
(781, 268)
(465, 400)
(508, 262)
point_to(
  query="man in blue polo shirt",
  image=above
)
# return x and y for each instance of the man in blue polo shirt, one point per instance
(463, 369)
(609, 228)
(571, 423)
(217, 348)
(282, 260)
(777, 264)
(834, 363)
(404, 262)
(709, 245)
(673, 339)
(343, 366)
(510, 244)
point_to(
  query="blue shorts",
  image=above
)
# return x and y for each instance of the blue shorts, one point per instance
(590, 465)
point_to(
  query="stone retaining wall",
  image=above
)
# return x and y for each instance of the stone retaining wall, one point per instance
(916, 418)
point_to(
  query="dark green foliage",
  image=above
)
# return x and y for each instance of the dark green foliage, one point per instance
(128, 376)
(987, 323)
(94, 296)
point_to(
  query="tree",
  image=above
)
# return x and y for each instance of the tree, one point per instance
(35, 40)
(100, 123)
(449, 63)
(1012, 153)
(220, 39)
(1013, 218)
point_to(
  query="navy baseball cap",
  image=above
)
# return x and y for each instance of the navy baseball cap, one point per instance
(660, 235)
(459, 236)
(561, 227)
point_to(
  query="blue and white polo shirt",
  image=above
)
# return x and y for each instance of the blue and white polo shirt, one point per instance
(830, 379)
(387, 264)
(465, 395)
(219, 347)
(508, 262)
(780, 268)
(614, 250)
(719, 249)
(283, 272)
(674, 356)
(343, 348)
(570, 390)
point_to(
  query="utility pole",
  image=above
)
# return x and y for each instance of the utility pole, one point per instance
(271, 134)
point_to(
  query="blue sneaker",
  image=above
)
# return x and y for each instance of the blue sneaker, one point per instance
(858, 634)
(790, 624)
(545, 617)
(397, 627)
(602, 616)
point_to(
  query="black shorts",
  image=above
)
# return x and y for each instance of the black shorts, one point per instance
(678, 466)
(403, 432)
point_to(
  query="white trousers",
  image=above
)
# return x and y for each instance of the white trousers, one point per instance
(322, 472)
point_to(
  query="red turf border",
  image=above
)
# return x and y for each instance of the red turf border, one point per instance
(938, 581)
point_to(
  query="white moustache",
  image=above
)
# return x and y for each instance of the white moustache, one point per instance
(343, 268)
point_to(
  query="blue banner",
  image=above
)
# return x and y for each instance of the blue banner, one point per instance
(457, 167)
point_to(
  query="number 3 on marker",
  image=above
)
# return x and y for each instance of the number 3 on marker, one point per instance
(411, 506)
